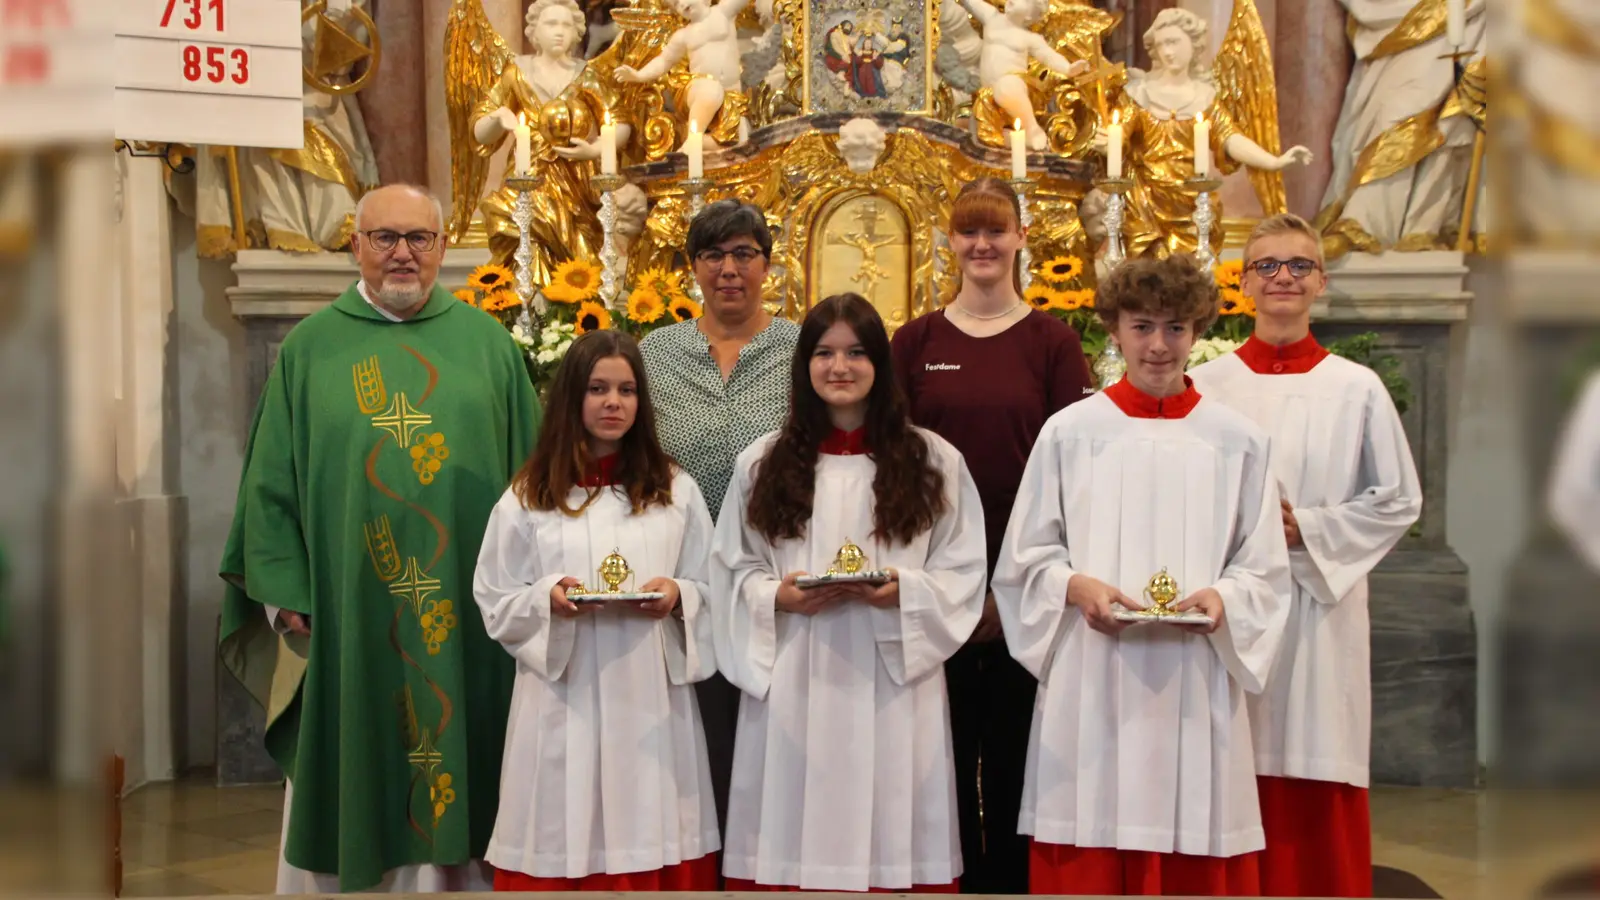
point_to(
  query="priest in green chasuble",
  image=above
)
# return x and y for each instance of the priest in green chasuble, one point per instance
(389, 426)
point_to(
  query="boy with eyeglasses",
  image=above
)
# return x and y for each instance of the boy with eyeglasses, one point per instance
(1349, 493)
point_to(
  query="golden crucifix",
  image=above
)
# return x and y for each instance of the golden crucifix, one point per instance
(869, 243)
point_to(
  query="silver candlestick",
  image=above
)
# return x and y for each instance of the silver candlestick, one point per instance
(533, 306)
(1025, 188)
(696, 189)
(612, 266)
(1116, 191)
(1202, 186)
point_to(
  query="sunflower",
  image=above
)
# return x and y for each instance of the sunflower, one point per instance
(591, 317)
(683, 309)
(490, 278)
(1246, 305)
(645, 305)
(574, 281)
(1233, 302)
(503, 299)
(1080, 299)
(665, 284)
(1039, 296)
(1061, 269)
(1229, 274)
(467, 296)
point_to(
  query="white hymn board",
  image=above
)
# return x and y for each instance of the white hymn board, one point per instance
(224, 72)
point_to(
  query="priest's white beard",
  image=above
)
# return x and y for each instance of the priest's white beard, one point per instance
(399, 298)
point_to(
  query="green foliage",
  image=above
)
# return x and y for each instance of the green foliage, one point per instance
(1363, 348)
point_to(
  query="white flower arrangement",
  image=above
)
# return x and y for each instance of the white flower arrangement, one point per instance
(1207, 349)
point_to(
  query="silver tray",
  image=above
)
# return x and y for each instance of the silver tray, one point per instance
(1192, 617)
(810, 581)
(620, 597)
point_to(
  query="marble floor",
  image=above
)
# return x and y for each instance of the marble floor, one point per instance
(191, 838)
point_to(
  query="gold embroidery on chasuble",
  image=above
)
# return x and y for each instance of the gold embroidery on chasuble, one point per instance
(405, 575)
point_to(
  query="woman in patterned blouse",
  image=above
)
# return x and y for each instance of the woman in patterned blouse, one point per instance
(719, 382)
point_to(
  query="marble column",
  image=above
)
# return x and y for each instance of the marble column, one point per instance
(1313, 59)
(151, 514)
(506, 16)
(392, 101)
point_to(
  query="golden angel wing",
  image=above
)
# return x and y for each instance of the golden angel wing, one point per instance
(1248, 87)
(475, 55)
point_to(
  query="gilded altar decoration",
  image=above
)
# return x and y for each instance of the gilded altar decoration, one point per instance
(336, 47)
(874, 58)
(1231, 108)
(556, 101)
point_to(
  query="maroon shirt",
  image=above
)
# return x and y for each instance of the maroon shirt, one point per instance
(990, 396)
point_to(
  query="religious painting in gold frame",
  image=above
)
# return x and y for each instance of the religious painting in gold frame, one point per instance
(861, 243)
(868, 56)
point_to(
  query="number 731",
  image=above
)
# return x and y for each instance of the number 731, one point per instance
(196, 14)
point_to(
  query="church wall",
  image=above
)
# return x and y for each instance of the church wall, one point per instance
(30, 446)
(213, 421)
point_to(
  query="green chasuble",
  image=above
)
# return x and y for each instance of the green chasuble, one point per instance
(377, 452)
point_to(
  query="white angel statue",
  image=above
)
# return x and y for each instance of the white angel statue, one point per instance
(564, 100)
(710, 40)
(1161, 109)
(1008, 43)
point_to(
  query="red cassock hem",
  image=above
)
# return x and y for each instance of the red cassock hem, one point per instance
(1062, 869)
(689, 875)
(1319, 838)
(742, 886)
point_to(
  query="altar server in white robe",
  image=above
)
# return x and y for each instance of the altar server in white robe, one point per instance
(843, 776)
(1574, 491)
(605, 784)
(1139, 777)
(1350, 492)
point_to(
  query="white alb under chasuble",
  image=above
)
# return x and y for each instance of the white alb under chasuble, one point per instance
(843, 776)
(1341, 458)
(605, 765)
(1141, 741)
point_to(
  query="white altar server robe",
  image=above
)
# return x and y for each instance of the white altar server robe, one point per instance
(1341, 458)
(1141, 741)
(605, 765)
(1574, 498)
(843, 774)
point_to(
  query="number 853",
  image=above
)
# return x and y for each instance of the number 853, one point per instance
(216, 64)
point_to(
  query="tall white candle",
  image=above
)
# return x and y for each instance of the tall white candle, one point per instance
(608, 146)
(694, 147)
(1114, 146)
(1019, 152)
(523, 162)
(1456, 23)
(1202, 146)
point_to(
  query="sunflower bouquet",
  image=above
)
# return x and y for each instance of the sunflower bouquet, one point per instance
(656, 298)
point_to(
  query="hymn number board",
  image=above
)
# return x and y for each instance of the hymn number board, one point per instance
(210, 72)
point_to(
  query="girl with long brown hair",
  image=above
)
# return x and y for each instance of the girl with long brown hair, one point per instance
(985, 372)
(842, 756)
(605, 784)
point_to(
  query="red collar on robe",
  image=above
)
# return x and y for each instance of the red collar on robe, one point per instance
(1139, 405)
(845, 443)
(602, 474)
(1297, 358)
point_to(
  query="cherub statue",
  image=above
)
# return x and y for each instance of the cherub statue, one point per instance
(563, 99)
(1008, 44)
(1160, 109)
(711, 42)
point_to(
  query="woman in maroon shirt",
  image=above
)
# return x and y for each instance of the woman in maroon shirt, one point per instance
(985, 373)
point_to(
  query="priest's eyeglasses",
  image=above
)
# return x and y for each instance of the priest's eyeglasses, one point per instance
(1299, 267)
(386, 240)
(742, 256)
